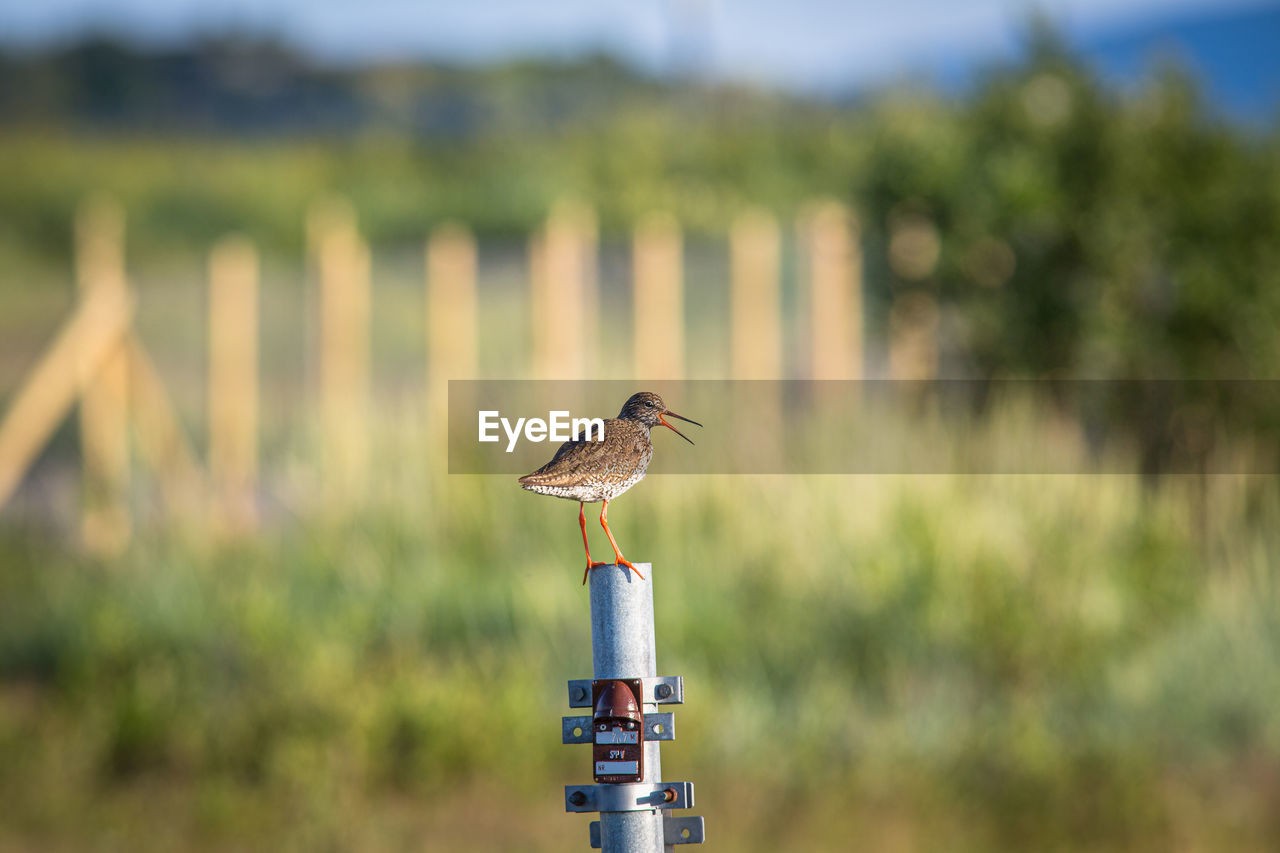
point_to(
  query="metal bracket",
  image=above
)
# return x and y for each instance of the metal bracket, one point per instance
(644, 796)
(675, 830)
(664, 690)
(660, 726)
(657, 726)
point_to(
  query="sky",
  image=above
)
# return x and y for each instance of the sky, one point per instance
(800, 44)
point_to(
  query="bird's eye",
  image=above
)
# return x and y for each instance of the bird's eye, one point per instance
(649, 403)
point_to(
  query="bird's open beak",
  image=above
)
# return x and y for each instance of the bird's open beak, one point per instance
(662, 418)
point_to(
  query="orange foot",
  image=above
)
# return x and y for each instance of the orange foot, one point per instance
(591, 564)
(623, 561)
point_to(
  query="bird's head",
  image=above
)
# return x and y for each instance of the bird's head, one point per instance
(648, 408)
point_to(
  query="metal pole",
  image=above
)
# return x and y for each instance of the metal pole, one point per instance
(634, 802)
(622, 646)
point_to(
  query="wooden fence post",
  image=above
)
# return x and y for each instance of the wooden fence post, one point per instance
(233, 378)
(451, 307)
(162, 442)
(343, 267)
(104, 426)
(658, 283)
(88, 340)
(835, 293)
(756, 337)
(755, 313)
(563, 293)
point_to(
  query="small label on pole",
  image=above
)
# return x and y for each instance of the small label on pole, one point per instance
(617, 768)
(618, 726)
(618, 736)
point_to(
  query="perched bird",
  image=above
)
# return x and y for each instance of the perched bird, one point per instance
(587, 471)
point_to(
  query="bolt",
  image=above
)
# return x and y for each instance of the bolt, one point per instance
(577, 798)
(663, 691)
(579, 693)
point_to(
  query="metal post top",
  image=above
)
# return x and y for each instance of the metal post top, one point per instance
(622, 642)
(614, 573)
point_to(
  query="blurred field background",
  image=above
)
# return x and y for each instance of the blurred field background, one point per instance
(1084, 662)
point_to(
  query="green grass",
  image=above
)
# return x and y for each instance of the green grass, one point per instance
(917, 662)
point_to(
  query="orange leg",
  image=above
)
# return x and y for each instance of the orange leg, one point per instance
(621, 560)
(582, 522)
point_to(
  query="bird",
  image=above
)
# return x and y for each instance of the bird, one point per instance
(588, 471)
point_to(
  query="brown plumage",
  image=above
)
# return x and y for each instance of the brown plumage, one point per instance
(600, 470)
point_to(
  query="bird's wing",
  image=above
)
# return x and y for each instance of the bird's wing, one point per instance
(575, 459)
(567, 466)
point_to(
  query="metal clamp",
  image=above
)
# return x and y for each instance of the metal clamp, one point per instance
(660, 725)
(675, 830)
(644, 796)
(664, 690)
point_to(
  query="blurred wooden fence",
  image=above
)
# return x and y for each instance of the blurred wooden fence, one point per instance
(98, 361)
